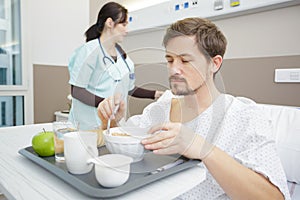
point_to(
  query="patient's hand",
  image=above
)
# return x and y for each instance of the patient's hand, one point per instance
(173, 138)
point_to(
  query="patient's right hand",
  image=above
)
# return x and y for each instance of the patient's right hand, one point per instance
(175, 138)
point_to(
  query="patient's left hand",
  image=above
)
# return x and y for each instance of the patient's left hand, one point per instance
(173, 138)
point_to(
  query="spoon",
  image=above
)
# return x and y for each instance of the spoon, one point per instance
(109, 120)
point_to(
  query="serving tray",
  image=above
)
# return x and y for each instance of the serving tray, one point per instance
(140, 172)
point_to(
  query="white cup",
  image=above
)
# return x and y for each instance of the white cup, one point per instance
(112, 170)
(79, 147)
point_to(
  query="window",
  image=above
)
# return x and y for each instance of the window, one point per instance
(3, 113)
(13, 90)
(10, 35)
(2, 9)
(3, 75)
(11, 111)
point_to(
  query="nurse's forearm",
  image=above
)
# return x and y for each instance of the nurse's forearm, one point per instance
(85, 96)
(142, 93)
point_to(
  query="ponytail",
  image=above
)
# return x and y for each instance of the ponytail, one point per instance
(92, 33)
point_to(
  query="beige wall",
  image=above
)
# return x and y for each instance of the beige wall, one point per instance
(254, 78)
(250, 77)
(51, 89)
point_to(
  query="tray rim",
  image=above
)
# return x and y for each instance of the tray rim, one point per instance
(91, 191)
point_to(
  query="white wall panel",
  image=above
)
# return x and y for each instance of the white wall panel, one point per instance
(168, 12)
(263, 34)
(57, 28)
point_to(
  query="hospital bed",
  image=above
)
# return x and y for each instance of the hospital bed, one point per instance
(286, 128)
(285, 122)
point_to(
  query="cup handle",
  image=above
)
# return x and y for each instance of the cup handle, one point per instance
(94, 151)
(91, 161)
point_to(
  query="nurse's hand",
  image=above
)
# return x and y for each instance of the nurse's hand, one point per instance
(175, 138)
(158, 94)
(107, 107)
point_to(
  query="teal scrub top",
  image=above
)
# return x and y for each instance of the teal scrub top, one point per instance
(88, 70)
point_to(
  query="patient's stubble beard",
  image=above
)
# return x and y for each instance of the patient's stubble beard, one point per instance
(179, 90)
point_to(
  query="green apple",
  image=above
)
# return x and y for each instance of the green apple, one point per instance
(43, 143)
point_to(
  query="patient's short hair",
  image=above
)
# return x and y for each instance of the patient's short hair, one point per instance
(209, 38)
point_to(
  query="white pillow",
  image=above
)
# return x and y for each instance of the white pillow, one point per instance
(286, 127)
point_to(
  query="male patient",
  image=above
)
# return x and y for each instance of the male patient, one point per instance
(230, 136)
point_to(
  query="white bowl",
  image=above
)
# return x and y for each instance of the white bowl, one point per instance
(112, 170)
(126, 145)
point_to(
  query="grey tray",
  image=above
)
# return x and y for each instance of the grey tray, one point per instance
(86, 183)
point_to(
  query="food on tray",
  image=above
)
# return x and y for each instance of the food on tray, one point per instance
(100, 139)
(66, 130)
(126, 141)
(59, 145)
(120, 134)
(43, 143)
(58, 139)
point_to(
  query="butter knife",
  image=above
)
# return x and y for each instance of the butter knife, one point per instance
(168, 166)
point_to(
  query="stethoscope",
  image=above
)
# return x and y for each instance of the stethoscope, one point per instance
(105, 57)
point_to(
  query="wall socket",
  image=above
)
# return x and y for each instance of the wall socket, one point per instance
(194, 3)
(218, 4)
(287, 75)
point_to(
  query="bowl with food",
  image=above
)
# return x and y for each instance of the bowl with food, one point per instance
(126, 141)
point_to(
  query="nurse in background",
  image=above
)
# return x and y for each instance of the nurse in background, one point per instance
(100, 68)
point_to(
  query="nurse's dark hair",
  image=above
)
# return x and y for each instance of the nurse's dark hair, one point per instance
(113, 10)
(209, 38)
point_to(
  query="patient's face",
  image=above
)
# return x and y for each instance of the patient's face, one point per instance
(188, 68)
